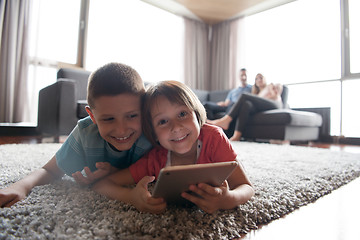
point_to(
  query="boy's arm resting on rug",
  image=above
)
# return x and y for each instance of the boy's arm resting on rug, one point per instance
(20, 189)
(114, 187)
(236, 190)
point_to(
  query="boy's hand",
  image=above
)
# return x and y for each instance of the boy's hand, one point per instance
(142, 200)
(211, 198)
(103, 169)
(11, 195)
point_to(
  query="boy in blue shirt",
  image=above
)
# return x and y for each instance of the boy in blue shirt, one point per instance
(111, 137)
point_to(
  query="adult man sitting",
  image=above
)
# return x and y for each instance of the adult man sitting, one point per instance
(224, 106)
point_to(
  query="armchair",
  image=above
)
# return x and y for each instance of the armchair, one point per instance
(61, 104)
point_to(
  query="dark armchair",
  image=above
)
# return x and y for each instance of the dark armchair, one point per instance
(62, 104)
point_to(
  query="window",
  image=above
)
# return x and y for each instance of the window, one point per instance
(354, 29)
(135, 33)
(292, 43)
(299, 44)
(54, 30)
(55, 27)
(351, 112)
(132, 32)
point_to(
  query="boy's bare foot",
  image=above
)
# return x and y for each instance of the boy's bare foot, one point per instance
(223, 122)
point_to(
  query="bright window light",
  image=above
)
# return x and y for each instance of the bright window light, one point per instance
(53, 34)
(296, 42)
(54, 30)
(354, 22)
(137, 34)
(351, 111)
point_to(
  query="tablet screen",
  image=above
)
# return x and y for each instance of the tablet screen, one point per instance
(174, 180)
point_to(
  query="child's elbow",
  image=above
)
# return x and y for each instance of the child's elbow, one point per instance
(252, 191)
(249, 192)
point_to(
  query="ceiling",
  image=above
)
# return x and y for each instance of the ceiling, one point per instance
(215, 11)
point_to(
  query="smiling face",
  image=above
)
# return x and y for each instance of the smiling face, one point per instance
(260, 81)
(176, 126)
(243, 78)
(118, 119)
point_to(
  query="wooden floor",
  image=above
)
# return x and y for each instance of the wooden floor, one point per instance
(332, 217)
(20, 139)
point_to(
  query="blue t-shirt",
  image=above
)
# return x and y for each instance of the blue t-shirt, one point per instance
(85, 147)
(234, 94)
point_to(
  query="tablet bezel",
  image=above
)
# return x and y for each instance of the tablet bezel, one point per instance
(173, 180)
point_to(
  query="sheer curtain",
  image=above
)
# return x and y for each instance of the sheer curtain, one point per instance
(211, 55)
(223, 65)
(14, 21)
(196, 54)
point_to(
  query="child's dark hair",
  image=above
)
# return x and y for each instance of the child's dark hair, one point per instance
(175, 92)
(113, 79)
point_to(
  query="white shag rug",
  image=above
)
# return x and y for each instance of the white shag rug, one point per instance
(285, 178)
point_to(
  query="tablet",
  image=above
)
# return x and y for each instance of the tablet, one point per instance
(173, 180)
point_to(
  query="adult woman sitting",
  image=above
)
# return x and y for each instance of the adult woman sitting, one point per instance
(263, 97)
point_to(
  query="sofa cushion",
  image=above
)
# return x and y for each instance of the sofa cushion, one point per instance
(203, 95)
(286, 117)
(281, 132)
(217, 96)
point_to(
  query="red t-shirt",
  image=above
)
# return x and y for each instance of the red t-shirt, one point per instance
(216, 147)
